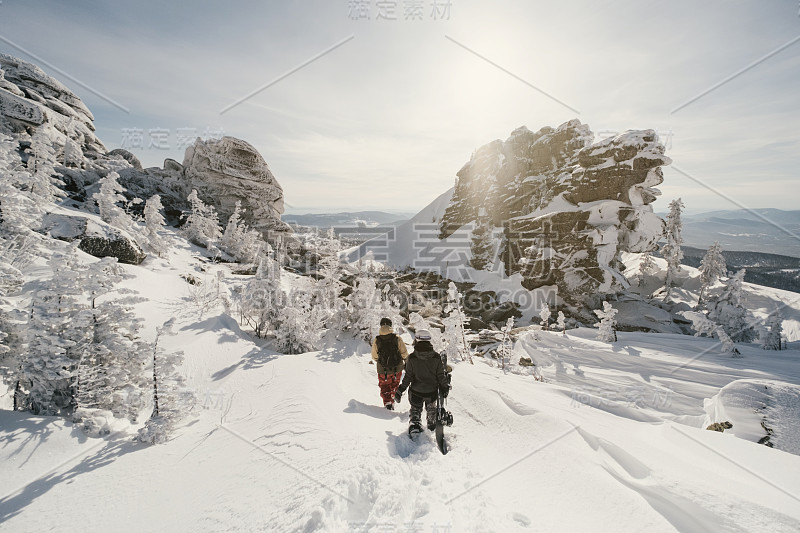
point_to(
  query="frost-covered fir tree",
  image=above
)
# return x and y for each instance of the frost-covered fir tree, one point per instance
(153, 225)
(481, 243)
(328, 305)
(13, 332)
(417, 322)
(20, 210)
(107, 198)
(671, 250)
(504, 351)
(727, 309)
(57, 332)
(202, 224)
(110, 368)
(772, 332)
(607, 323)
(364, 309)
(295, 332)
(239, 241)
(260, 298)
(455, 339)
(44, 182)
(544, 315)
(712, 268)
(647, 265)
(172, 401)
(705, 327)
(561, 322)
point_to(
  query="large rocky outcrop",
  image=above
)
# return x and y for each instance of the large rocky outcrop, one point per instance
(568, 207)
(229, 170)
(94, 237)
(30, 99)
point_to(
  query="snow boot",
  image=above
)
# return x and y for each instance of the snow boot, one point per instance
(389, 406)
(414, 429)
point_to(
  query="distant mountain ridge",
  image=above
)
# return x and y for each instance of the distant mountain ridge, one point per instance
(354, 218)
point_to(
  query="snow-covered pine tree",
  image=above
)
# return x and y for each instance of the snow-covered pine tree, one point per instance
(544, 315)
(561, 322)
(153, 225)
(13, 333)
(241, 242)
(727, 309)
(172, 401)
(110, 374)
(772, 332)
(107, 198)
(295, 332)
(647, 264)
(607, 323)
(55, 330)
(364, 307)
(20, 212)
(481, 243)
(712, 268)
(703, 326)
(328, 306)
(504, 351)
(260, 298)
(671, 250)
(455, 338)
(44, 182)
(202, 224)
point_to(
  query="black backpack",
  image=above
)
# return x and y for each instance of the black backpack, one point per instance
(388, 352)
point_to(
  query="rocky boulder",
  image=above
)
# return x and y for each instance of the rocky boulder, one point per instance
(95, 238)
(229, 170)
(30, 99)
(568, 208)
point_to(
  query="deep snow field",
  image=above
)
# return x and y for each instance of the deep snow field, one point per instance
(614, 439)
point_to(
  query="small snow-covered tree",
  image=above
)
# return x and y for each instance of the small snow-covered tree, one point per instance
(107, 199)
(202, 224)
(544, 315)
(727, 309)
(328, 305)
(481, 243)
(56, 334)
(671, 250)
(172, 400)
(110, 368)
(561, 322)
(260, 298)
(772, 332)
(647, 265)
(44, 182)
(712, 268)
(239, 241)
(364, 308)
(607, 323)
(703, 326)
(455, 338)
(153, 225)
(295, 332)
(504, 351)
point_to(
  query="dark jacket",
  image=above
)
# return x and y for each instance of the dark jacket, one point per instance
(424, 371)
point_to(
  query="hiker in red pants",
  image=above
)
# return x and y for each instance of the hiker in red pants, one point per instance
(390, 353)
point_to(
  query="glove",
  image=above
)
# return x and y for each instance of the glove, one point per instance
(445, 392)
(398, 396)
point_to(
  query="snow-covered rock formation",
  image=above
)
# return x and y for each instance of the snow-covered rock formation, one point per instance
(567, 207)
(229, 170)
(30, 99)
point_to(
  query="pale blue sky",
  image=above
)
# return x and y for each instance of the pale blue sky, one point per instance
(385, 120)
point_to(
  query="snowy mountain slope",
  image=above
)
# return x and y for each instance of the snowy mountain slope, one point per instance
(612, 441)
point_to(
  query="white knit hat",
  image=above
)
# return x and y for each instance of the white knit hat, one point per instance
(422, 335)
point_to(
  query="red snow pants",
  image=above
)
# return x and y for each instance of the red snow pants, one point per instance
(389, 384)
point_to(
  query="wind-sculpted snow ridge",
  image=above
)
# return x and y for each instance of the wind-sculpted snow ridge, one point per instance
(567, 207)
(30, 99)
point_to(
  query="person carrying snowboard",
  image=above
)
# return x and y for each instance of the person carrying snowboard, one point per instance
(425, 379)
(389, 353)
